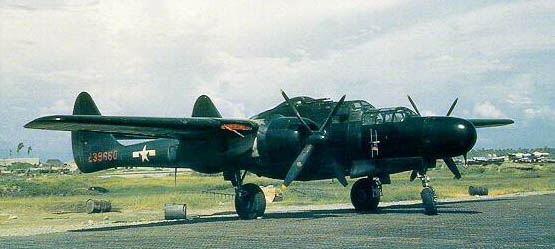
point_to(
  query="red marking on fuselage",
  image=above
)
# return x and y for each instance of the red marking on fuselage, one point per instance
(103, 156)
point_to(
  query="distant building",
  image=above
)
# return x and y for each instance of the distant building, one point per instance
(54, 163)
(534, 157)
(9, 162)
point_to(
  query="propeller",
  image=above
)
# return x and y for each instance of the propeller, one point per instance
(290, 104)
(448, 160)
(314, 139)
(413, 175)
(452, 107)
(413, 105)
(453, 167)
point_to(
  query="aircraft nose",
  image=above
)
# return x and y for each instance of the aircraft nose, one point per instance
(448, 136)
(464, 133)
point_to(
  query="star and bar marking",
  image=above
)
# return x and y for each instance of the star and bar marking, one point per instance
(144, 154)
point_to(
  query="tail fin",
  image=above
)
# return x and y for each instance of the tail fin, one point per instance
(86, 144)
(205, 108)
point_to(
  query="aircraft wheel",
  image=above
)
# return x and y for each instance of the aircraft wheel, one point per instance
(429, 201)
(365, 195)
(250, 202)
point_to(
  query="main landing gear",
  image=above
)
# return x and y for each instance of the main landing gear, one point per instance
(250, 202)
(428, 195)
(365, 194)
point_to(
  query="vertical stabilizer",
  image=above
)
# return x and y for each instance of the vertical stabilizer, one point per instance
(88, 146)
(84, 105)
(204, 108)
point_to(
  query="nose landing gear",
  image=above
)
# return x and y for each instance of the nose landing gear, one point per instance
(428, 195)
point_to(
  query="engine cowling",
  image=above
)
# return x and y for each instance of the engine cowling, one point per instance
(281, 139)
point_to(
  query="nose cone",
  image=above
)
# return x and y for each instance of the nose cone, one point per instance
(448, 136)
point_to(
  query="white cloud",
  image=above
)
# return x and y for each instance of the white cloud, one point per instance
(155, 58)
(487, 110)
(61, 106)
(429, 113)
(542, 112)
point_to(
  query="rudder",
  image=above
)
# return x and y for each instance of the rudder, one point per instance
(205, 108)
(86, 144)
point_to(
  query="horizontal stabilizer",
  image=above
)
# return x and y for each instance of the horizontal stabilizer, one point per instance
(146, 127)
(483, 123)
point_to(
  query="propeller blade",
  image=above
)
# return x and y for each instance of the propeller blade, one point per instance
(290, 104)
(332, 113)
(414, 105)
(452, 107)
(453, 167)
(340, 174)
(297, 166)
(413, 175)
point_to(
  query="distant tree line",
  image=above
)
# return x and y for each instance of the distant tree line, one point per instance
(503, 152)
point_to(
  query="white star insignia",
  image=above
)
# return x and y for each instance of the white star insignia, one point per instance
(144, 154)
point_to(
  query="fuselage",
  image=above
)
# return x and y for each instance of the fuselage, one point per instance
(359, 133)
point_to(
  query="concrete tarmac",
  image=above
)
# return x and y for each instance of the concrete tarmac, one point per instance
(519, 222)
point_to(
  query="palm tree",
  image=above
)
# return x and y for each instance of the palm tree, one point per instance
(19, 147)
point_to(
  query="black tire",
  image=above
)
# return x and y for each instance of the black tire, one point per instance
(362, 195)
(250, 203)
(429, 201)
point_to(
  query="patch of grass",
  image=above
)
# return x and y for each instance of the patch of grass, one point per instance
(34, 200)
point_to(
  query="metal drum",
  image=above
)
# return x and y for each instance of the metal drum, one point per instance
(472, 190)
(175, 211)
(98, 206)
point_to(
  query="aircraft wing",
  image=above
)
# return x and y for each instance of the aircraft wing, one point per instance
(482, 123)
(146, 127)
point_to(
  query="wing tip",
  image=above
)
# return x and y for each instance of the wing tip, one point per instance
(39, 122)
(483, 123)
(33, 124)
(506, 121)
(28, 125)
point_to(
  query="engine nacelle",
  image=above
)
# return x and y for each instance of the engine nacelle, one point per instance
(281, 139)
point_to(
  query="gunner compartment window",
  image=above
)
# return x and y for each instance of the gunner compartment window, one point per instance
(379, 119)
(388, 117)
(368, 118)
(398, 117)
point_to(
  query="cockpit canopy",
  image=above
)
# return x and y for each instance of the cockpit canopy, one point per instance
(387, 115)
(317, 110)
(298, 101)
(352, 111)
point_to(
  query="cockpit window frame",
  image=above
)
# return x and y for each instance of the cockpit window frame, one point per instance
(387, 115)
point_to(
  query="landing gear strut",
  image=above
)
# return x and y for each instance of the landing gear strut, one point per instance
(250, 202)
(365, 194)
(428, 195)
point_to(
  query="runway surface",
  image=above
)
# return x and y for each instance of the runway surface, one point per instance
(521, 222)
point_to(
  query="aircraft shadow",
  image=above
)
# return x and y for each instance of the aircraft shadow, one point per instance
(444, 208)
(446, 204)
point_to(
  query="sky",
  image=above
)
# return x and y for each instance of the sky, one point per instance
(154, 58)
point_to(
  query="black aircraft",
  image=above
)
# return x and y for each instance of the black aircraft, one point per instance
(301, 139)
